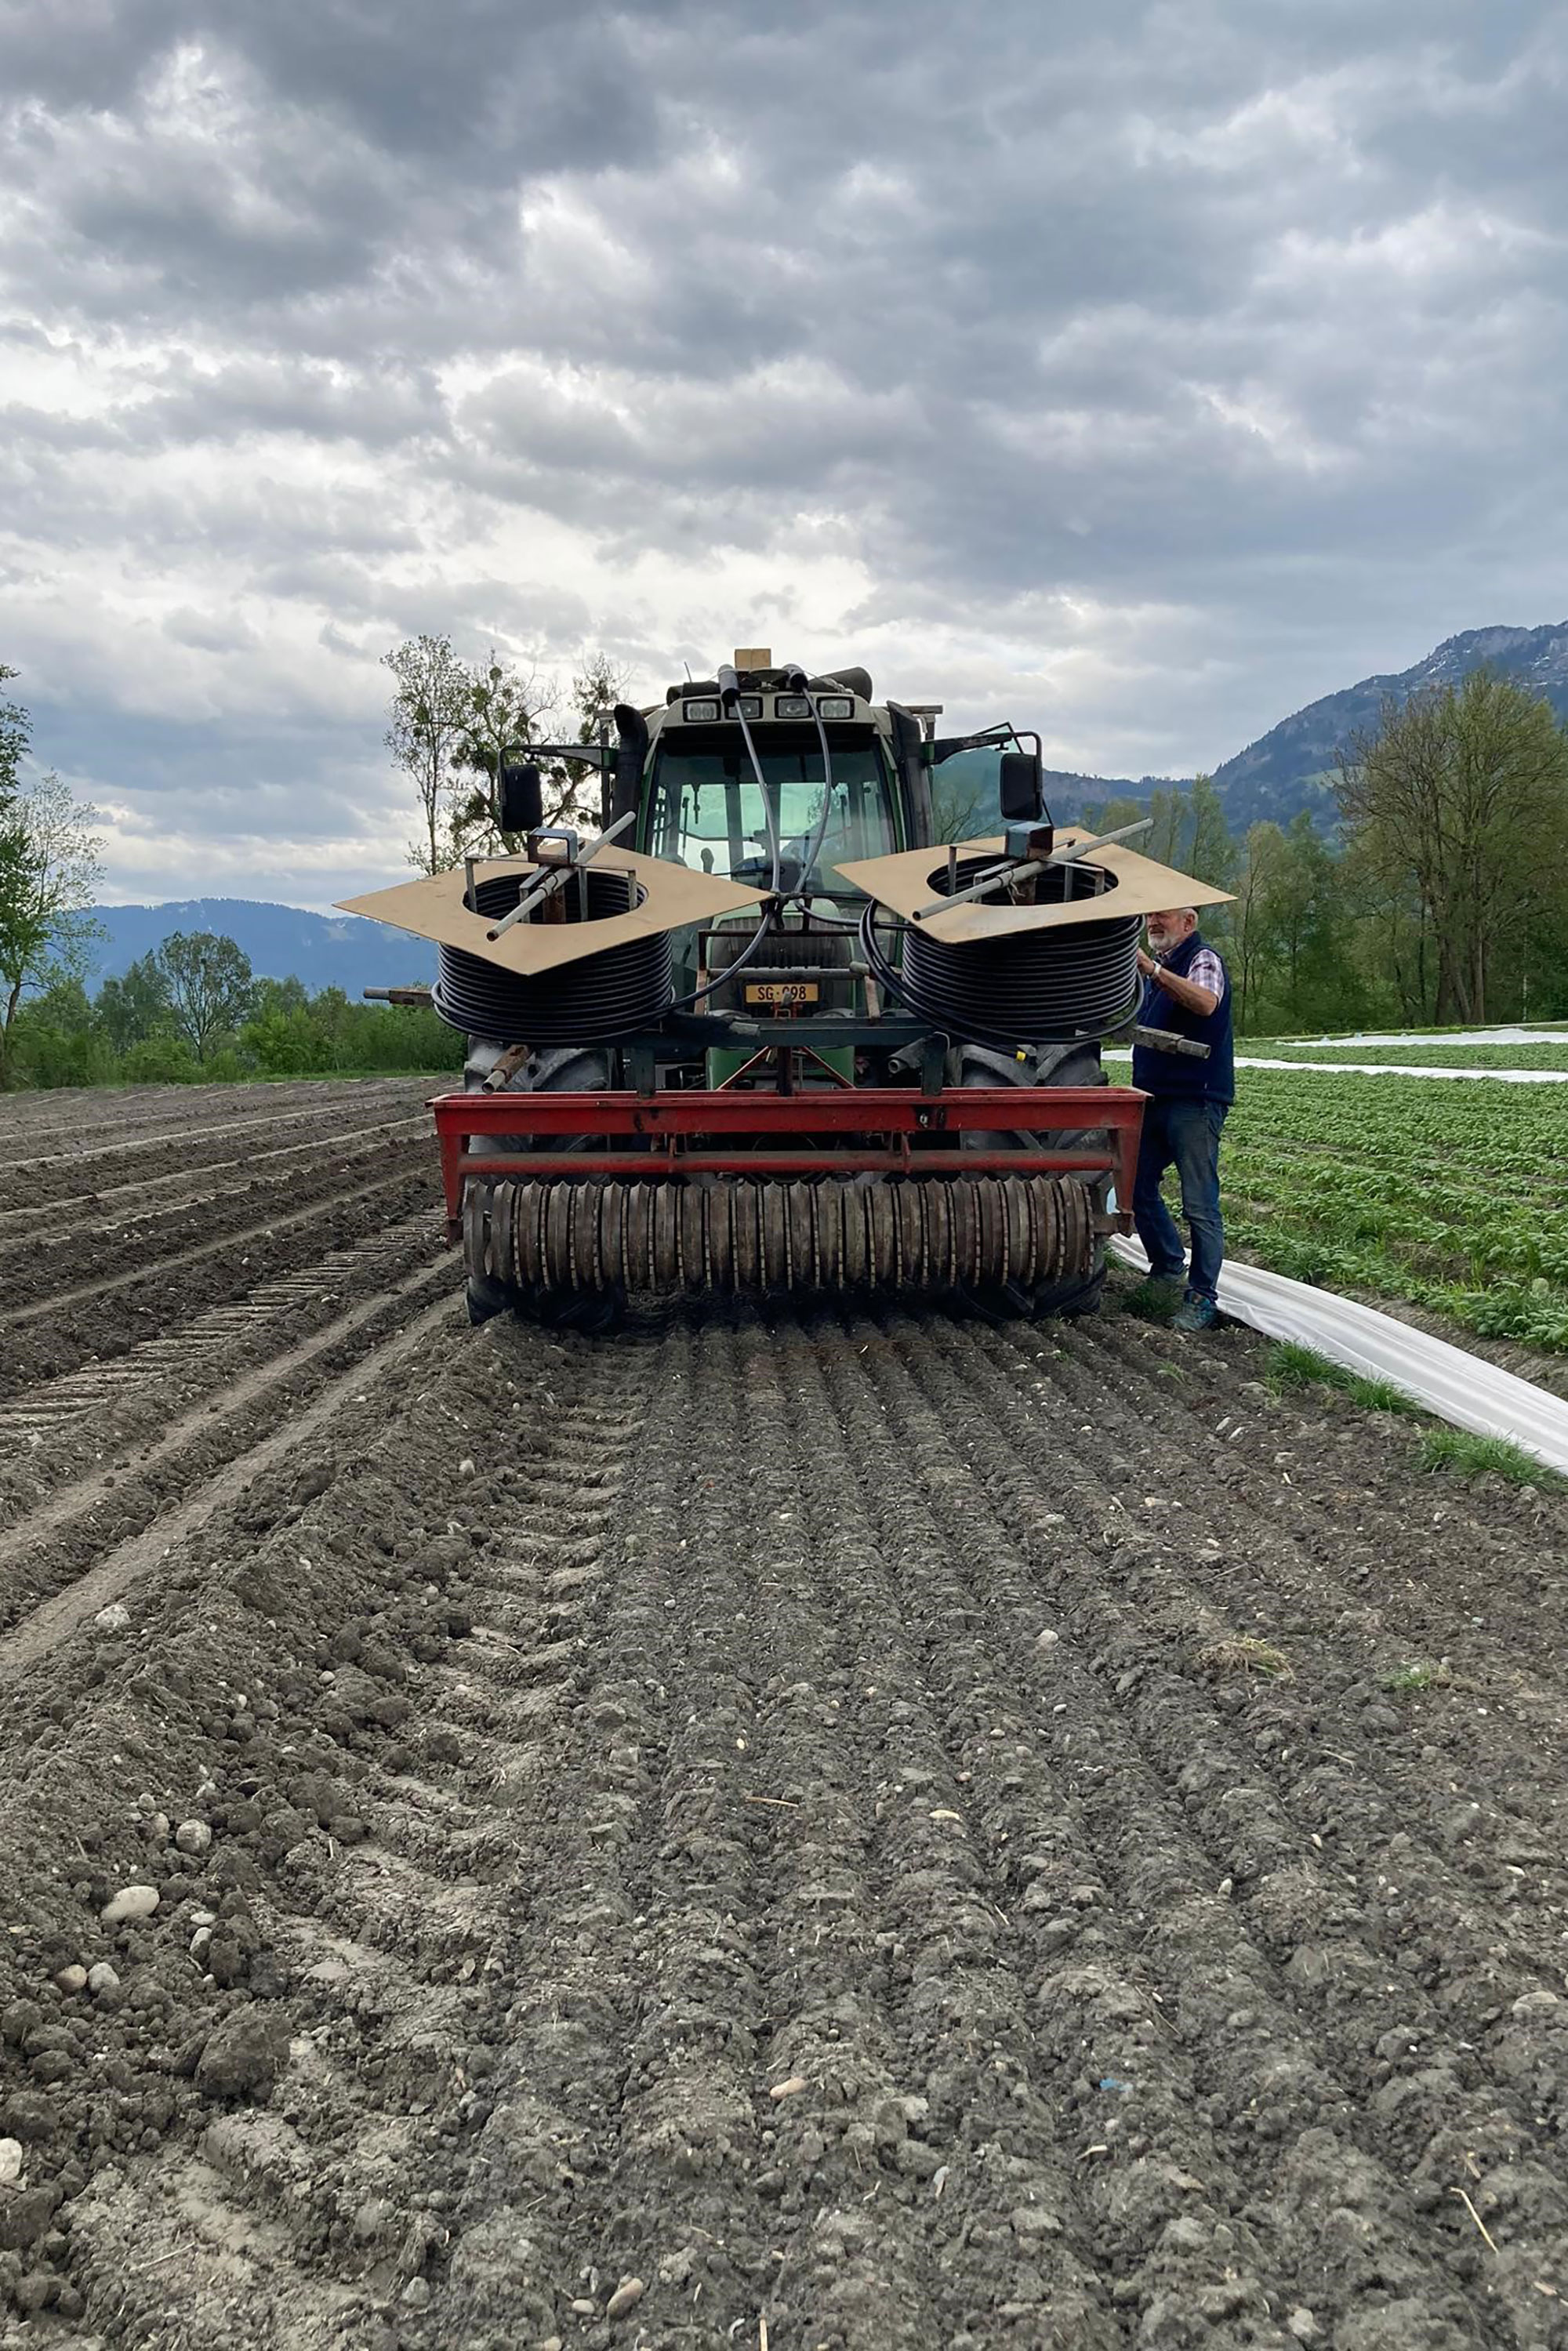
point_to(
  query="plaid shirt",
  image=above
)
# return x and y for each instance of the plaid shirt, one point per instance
(1205, 970)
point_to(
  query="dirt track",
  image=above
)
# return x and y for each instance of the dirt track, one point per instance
(762, 1806)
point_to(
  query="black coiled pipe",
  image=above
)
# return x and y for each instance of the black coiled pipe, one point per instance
(611, 994)
(1027, 987)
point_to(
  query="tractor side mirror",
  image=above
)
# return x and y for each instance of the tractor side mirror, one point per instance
(521, 799)
(1018, 785)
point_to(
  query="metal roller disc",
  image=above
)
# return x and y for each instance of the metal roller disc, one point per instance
(775, 1241)
(558, 1236)
(805, 1269)
(664, 1224)
(993, 1234)
(1083, 1228)
(1028, 1220)
(912, 1233)
(830, 1233)
(943, 1239)
(878, 1237)
(475, 1248)
(612, 1233)
(635, 1249)
(500, 1223)
(696, 1260)
(538, 1232)
(747, 1269)
(959, 1216)
(855, 1260)
(1012, 1240)
(890, 1257)
(719, 1200)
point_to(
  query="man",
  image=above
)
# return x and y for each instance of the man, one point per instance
(1188, 991)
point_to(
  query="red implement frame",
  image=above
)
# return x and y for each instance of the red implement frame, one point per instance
(688, 1128)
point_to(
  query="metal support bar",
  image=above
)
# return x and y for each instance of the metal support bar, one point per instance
(915, 1129)
(558, 876)
(658, 1166)
(1078, 848)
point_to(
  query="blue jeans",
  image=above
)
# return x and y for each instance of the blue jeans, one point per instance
(1187, 1135)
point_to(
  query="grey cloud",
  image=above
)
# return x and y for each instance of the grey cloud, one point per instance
(1237, 329)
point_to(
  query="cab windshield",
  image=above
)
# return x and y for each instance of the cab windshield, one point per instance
(707, 812)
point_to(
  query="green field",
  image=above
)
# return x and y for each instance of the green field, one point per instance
(1452, 1196)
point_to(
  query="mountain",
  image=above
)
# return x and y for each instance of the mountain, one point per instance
(1292, 766)
(342, 951)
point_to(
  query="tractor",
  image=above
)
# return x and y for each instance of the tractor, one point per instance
(819, 1009)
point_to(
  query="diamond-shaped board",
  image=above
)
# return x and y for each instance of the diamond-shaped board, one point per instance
(673, 897)
(914, 878)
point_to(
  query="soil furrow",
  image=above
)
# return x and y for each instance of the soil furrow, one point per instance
(1176, 1779)
(771, 1807)
(110, 1316)
(114, 1208)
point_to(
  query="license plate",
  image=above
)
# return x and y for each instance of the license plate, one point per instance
(782, 995)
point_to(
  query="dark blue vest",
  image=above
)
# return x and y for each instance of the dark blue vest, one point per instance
(1181, 1074)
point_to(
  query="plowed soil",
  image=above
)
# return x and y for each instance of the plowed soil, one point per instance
(776, 1829)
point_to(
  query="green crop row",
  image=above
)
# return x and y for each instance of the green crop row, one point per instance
(1452, 1196)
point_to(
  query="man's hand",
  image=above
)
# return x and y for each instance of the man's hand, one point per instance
(1146, 962)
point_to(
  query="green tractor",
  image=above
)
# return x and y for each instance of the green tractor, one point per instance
(805, 1090)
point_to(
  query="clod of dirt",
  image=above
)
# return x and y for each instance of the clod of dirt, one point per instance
(132, 1902)
(193, 1836)
(102, 1978)
(626, 2296)
(115, 1618)
(72, 1979)
(245, 2054)
(11, 2161)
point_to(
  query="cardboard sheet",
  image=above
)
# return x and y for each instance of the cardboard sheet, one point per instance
(674, 897)
(914, 877)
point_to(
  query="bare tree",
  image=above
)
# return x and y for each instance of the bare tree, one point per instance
(50, 872)
(1464, 789)
(431, 705)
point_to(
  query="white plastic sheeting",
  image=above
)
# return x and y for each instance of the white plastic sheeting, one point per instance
(1388, 1070)
(1508, 1035)
(1449, 1382)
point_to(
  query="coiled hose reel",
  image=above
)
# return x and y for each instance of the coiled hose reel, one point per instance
(612, 994)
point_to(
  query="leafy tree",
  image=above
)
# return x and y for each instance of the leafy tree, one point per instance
(505, 709)
(135, 1006)
(596, 689)
(432, 707)
(1252, 918)
(210, 985)
(50, 872)
(1463, 793)
(16, 735)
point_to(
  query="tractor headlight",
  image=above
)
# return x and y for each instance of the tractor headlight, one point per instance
(749, 705)
(697, 711)
(792, 705)
(836, 705)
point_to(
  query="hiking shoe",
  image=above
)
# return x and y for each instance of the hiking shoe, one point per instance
(1196, 1314)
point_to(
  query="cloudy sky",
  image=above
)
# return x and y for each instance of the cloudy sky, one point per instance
(1137, 372)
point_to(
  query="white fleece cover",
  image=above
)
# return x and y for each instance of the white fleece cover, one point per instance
(1447, 1381)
